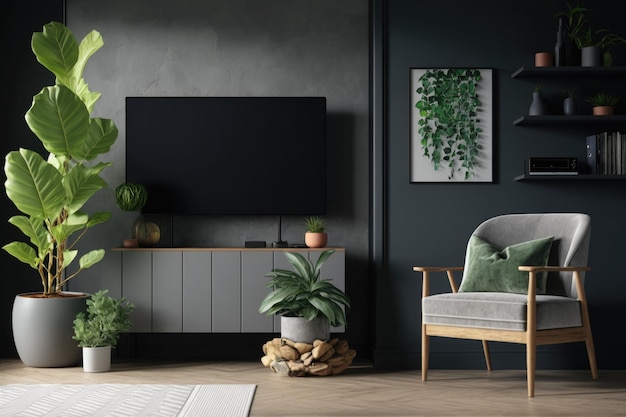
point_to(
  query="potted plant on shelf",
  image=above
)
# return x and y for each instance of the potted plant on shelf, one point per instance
(569, 103)
(575, 18)
(51, 192)
(315, 235)
(98, 330)
(307, 304)
(607, 42)
(131, 197)
(603, 104)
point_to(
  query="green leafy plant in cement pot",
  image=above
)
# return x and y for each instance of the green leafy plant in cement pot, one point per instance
(315, 235)
(307, 304)
(51, 192)
(98, 330)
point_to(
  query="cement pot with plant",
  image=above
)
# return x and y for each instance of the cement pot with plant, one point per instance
(308, 305)
(51, 191)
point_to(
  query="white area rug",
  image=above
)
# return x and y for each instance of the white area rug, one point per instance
(125, 400)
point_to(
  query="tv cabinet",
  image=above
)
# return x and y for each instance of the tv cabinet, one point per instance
(207, 290)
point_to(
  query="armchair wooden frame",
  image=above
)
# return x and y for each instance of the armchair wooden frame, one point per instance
(531, 337)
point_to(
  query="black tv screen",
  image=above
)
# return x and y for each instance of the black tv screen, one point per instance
(228, 155)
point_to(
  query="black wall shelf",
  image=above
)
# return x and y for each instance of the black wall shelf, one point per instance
(553, 72)
(573, 119)
(580, 177)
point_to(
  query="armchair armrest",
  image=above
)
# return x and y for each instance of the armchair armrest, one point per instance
(528, 268)
(437, 268)
(426, 270)
(575, 270)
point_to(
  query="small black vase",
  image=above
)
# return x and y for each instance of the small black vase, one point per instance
(569, 106)
(537, 106)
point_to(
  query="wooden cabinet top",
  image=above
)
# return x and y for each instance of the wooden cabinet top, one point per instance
(266, 249)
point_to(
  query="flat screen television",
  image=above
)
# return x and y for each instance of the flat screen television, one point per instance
(228, 155)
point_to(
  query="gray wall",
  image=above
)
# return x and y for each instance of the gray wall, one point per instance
(429, 223)
(243, 48)
(238, 48)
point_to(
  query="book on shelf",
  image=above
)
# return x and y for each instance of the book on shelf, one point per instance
(606, 153)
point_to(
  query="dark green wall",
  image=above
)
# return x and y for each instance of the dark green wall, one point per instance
(429, 223)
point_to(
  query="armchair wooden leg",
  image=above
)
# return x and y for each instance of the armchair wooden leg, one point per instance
(591, 353)
(425, 349)
(487, 355)
(531, 362)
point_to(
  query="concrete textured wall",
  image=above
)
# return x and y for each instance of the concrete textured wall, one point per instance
(240, 48)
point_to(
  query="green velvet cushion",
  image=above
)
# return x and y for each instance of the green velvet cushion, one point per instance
(489, 269)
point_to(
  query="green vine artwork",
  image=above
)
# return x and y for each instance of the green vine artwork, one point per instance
(449, 125)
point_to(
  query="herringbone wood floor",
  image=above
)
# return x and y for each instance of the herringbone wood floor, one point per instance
(363, 391)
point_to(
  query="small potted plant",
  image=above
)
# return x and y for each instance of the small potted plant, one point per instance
(131, 197)
(569, 103)
(307, 304)
(98, 330)
(315, 235)
(603, 104)
(607, 42)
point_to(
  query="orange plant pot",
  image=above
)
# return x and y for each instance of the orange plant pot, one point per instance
(315, 240)
(603, 110)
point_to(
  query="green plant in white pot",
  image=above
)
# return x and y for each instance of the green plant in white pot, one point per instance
(98, 330)
(51, 190)
(302, 293)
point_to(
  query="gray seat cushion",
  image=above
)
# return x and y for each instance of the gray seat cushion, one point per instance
(497, 310)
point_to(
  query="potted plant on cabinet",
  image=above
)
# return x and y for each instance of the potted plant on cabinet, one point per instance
(315, 235)
(51, 192)
(603, 104)
(307, 304)
(131, 197)
(98, 330)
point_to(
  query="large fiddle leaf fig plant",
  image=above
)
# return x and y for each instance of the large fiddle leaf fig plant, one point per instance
(51, 191)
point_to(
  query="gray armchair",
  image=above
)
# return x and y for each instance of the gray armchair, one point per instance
(522, 283)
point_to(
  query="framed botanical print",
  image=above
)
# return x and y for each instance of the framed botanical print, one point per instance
(451, 119)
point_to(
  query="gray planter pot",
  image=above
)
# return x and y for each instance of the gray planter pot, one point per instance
(591, 56)
(298, 329)
(43, 330)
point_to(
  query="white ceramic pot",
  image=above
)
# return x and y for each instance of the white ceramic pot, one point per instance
(97, 359)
